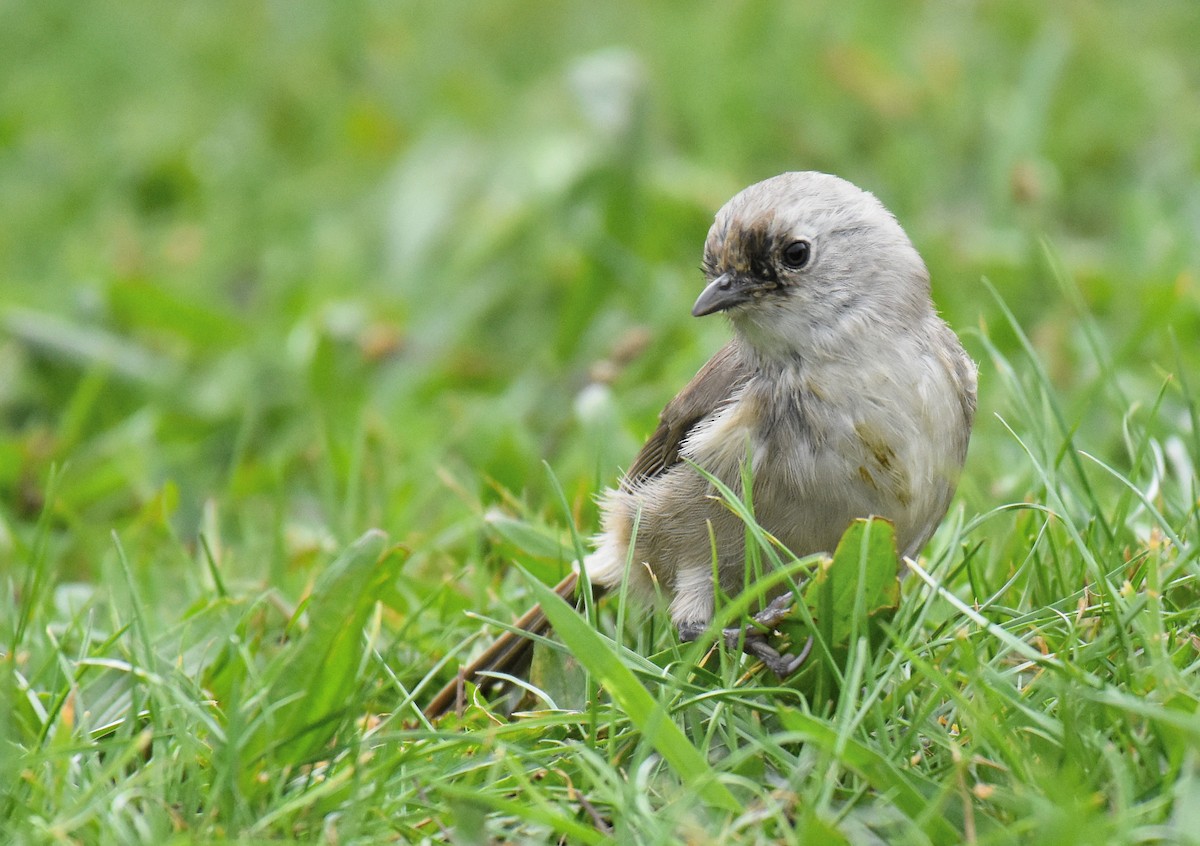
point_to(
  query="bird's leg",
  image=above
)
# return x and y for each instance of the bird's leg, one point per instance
(753, 638)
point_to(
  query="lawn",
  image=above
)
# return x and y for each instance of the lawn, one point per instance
(322, 326)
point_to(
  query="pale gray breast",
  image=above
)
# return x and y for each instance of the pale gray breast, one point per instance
(842, 442)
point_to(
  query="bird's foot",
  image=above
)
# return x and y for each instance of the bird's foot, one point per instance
(753, 638)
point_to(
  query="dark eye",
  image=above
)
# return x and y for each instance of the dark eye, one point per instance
(795, 255)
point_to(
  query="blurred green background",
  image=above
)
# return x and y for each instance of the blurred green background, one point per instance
(280, 272)
(275, 273)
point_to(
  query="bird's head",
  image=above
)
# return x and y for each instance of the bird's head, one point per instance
(802, 258)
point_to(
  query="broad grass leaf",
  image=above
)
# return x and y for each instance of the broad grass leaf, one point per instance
(529, 538)
(859, 584)
(847, 597)
(560, 676)
(315, 677)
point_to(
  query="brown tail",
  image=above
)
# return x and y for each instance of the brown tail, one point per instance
(509, 653)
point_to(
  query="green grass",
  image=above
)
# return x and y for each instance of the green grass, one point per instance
(278, 278)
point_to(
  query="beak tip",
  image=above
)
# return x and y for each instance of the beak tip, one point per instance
(720, 294)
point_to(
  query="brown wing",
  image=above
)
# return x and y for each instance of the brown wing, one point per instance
(724, 373)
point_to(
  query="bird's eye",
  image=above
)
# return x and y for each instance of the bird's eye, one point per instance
(795, 255)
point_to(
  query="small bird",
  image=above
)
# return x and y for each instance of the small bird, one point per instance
(842, 390)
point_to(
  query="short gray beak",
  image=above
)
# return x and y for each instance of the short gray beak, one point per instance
(724, 292)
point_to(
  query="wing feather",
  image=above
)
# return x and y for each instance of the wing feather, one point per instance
(708, 391)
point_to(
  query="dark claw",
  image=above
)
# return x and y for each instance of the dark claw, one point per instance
(776, 612)
(753, 639)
